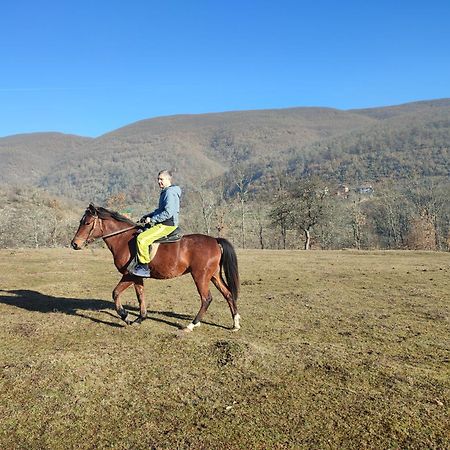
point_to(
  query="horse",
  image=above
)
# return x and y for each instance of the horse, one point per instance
(206, 258)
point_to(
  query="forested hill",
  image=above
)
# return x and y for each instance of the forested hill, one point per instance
(26, 158)
(398, 145)
(407, 109)
(347, 145)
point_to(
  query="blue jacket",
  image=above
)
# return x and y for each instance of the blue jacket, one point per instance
(169, 206)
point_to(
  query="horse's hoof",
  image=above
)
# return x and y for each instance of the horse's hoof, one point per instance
(126, 320)
(191, 327)
(235, 328)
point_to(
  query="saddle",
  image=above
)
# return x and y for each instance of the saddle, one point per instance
(175, 236)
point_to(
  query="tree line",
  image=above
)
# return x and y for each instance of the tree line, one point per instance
(311, 213)
(287, 212)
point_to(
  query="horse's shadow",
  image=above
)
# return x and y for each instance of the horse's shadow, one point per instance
(37, 302)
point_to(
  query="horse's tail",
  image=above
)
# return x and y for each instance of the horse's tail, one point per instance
(229, 265)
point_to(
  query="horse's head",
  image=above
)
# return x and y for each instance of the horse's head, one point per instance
(89, 229)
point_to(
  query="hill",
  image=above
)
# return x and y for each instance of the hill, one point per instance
(399, 145)
(196, 147)
(388, 112)
(26, 158)
(351, 145)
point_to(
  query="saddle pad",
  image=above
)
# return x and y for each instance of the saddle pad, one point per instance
(153, 249)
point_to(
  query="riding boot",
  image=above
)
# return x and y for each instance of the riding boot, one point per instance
(141, 270)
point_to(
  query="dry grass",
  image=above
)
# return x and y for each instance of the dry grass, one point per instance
(337, 350)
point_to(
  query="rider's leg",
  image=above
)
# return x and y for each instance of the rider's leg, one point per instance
(147, 237)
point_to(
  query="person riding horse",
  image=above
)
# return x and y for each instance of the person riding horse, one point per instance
(163, 221)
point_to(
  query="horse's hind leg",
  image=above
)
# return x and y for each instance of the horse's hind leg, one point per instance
(123, 284)
(139, 288)
(205, 298)
(220, 285)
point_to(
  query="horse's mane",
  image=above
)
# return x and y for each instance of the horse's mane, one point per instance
(104, 213)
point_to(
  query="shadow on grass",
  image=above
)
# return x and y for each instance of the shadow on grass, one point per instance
(178, 316)
(38, 302)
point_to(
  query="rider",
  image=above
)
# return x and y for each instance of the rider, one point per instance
(163, 220)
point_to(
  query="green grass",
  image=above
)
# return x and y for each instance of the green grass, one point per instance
(337, 350)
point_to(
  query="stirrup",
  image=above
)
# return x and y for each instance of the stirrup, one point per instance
(141, 270)
(133, 263)
(136, 268)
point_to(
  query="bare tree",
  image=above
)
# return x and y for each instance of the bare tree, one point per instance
(431, 207)
(117, 201)
(391, 214)
(208, 201)
(281, 214)
(309, 206)
(241, 176)
(357, 220)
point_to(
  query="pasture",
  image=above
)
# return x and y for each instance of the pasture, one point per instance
(337, 350)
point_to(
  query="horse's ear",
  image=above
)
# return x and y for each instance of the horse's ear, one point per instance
(92, 209)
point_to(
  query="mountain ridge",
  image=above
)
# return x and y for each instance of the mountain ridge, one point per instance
(198, 147)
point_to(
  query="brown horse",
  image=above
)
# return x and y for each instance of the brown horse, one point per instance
(202, 256)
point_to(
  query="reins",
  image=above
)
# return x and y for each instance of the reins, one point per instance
(118, 232)
(104, 236)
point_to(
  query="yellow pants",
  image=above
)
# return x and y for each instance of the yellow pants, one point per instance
(147, 237)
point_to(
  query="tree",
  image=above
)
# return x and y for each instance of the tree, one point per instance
(430, 200)
(208, 203)
(241, 177)
(422, 234)
(205, 200)
(309, 208)
(301, 207)
(281, 214)
(357, 220)
(391, 215)
(117, 201)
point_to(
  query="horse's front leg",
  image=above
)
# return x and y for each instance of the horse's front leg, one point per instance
(123, 284)
(139, 288)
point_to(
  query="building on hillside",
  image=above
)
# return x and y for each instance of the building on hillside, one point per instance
(366, 189)
(342, 191)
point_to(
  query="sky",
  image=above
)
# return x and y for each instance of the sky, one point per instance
(89, 67)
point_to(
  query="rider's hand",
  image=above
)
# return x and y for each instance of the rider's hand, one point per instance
(147, 221)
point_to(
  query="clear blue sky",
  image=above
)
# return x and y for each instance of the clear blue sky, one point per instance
(89, 67)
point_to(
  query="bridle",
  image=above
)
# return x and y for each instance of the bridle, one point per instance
(90, 239)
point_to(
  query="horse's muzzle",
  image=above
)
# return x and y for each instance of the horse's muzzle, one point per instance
(75, 246)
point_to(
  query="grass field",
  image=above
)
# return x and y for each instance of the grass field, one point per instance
(337, 350)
